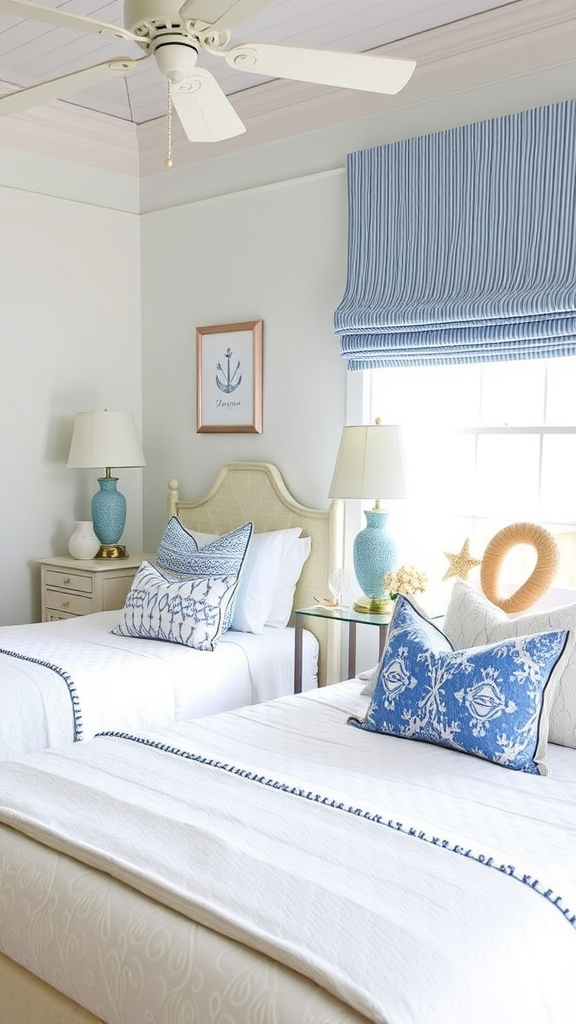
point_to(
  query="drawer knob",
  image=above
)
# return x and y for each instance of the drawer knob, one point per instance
(65, 604)
(66, 581)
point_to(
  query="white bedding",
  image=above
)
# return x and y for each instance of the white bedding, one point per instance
(413, 884)
(74, 678)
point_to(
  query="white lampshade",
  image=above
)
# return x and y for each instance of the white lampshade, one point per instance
(105, 439)
(369, 464)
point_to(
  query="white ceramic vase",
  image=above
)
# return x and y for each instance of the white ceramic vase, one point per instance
(83, 541)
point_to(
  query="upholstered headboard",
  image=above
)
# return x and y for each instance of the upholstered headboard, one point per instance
(256, 492)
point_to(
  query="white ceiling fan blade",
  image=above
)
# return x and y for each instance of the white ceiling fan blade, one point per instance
(204, 110)
(222, 13)
(24, 9)
(56, 88)
(324, 67)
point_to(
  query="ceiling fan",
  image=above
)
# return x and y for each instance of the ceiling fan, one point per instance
(175, 36)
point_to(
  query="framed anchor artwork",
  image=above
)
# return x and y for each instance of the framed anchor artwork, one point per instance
(229, 378)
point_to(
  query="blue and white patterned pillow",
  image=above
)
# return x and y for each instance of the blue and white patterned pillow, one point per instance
(188, 612)
(490, 701)
(179, 553)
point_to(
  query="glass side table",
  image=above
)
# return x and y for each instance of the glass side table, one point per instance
(353, 618)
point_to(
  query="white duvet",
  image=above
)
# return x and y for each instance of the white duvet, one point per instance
(67, 680)
(413, 884)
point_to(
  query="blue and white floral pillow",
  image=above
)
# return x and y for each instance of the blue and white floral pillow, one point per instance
(188, 612)
(179, 553)
(490, 701)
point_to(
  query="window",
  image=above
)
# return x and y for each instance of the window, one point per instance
(486, 445)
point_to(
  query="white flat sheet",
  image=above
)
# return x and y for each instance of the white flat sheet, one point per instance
(414, 884)
(74, 678)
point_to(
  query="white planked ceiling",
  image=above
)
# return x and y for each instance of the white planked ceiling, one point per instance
(32, 51)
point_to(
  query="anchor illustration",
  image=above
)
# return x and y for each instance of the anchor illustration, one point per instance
(230, 380)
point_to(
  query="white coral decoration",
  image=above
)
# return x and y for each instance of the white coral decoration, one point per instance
(405, 580)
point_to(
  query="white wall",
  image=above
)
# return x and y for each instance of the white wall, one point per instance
(69, 341)
(275, 253)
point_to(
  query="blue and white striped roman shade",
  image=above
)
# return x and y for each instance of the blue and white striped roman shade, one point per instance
(462, 244)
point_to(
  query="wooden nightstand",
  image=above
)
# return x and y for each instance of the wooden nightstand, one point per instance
(73, 586)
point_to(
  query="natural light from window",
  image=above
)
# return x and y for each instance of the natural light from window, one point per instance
(485, 445)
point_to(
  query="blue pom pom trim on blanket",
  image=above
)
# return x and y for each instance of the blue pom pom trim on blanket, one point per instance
(509, 870)
(76, 712)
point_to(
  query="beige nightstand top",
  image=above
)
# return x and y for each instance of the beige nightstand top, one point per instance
(96, 564)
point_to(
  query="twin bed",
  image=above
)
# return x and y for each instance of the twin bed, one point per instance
(67, 680)
(276, 864)
(273, 864)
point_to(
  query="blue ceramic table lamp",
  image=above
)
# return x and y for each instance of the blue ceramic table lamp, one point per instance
(369, 465)
(105, 439)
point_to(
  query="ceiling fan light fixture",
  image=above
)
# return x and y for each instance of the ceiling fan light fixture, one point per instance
(176, 57)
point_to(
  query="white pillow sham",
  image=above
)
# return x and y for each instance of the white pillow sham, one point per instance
(290, 572)
(262, 573)
(471, 621)
(180, 554)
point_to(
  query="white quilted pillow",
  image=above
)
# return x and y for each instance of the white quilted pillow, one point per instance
(472, 621)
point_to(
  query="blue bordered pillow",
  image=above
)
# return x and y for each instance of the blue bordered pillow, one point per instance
(188, 612)
(179, 553)
(491, 701)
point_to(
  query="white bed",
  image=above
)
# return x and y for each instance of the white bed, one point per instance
(67, 680)
(275, 864)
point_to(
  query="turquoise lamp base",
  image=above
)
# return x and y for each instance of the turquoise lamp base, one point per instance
(374, 556)
(109, 518)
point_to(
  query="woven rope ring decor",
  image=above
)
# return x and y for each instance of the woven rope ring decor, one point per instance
(542, 575)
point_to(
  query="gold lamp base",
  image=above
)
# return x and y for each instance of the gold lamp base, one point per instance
(373, 605)
(111, 551)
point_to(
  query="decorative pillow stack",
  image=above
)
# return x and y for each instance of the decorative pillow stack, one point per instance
(189, 612)
(471, 620)
(491, 701)
(179, 553)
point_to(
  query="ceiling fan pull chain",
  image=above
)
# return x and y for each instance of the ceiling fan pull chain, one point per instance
(168, 160)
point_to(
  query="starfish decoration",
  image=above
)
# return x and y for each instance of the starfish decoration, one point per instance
(460, 563)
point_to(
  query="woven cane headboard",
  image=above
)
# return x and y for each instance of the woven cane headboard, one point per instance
(256, 492)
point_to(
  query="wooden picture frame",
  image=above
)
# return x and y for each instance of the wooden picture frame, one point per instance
(229, 378)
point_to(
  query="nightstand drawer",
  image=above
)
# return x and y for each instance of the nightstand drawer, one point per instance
(71, 604)
(72, 586)
(69, 581)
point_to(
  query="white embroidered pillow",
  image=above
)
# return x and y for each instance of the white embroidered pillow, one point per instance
(188, 612)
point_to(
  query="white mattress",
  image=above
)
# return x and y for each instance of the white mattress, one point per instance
(369, 878)
(74, 678)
